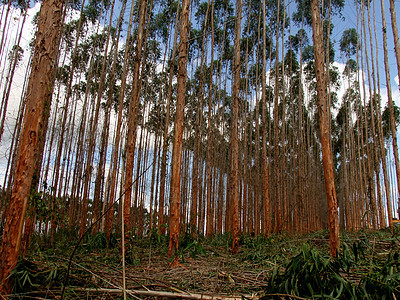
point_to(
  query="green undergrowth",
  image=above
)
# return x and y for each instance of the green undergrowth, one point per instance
(367, 266)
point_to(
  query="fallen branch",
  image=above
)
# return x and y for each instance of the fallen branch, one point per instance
(286, 296)
(134, 278)
(165, 294)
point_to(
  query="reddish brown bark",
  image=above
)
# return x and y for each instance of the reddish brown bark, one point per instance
(266, 205)
(39, 93)
(210, 210)
(391, 109)
(177, 150)
(324, 128)
(395, 38)
(117, 141)
(234, 131)
(131, 134)
(161, 228)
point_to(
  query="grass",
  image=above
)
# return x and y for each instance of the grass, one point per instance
(368, 266)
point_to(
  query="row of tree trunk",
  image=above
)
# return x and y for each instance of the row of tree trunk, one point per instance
(250, 147)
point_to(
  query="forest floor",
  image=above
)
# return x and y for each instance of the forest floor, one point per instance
(281, 266)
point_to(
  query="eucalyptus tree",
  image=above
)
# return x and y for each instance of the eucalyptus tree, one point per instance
(222, 37)
(396, 41)
(10, 169)
(369, 126)
(153, 85)
(246, 128)
(378, 109)
(293, 137)
(93, 129)
(389, 92)
(15, 56)
(324, 130)
(69, 89)
(117, 139)
(40, 90)
(132, 116)
(254, 46)
(265, 181)
(88, 52)
(348, 44)
(9, 6)
(5, 23)
(234, 136)
(210, 211)
(178, 132)
(203, 18)
(309, 162)
(165, 145)
(277, 176)
(288, 88)
(99, 182)
(386, 127)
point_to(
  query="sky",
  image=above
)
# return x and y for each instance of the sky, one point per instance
(350, 21)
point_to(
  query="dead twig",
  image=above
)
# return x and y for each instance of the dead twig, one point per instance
(286, 296)
(166, 294)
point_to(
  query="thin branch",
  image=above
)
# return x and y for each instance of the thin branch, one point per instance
(91, 226)
(167, 294)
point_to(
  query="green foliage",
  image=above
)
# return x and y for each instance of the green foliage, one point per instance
(15, 55)
(351, 67)
(303, 13)
(367, 266)
(190, 244)
(298, 41)
(193, 249)
(383, 282)
(257, 246)
(97, 241)
(315, 275)
(156, 238)
(311, 274)
(386, 120)
(222, 240)
(349, 42)
(32, 275)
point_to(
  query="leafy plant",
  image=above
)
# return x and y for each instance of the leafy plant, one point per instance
(31, 275)
(189, 244)
(97, 241)
(194, 249)
(383, 282)
(317, 276)
(311, 274)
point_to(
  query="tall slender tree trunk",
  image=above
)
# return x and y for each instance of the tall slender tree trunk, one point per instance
(324, 129)
(13, 64)
(132, 123)
(210, 211)
(39, 94)
(5, 25)
(117, 140)
(66, 106)
(391, 111)
(99, 182)
(265, 184)
(92, 142)
(380, 129)
(234, 184)
(277, 176)
(165, 145)
(396, 43)
(178, 135)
